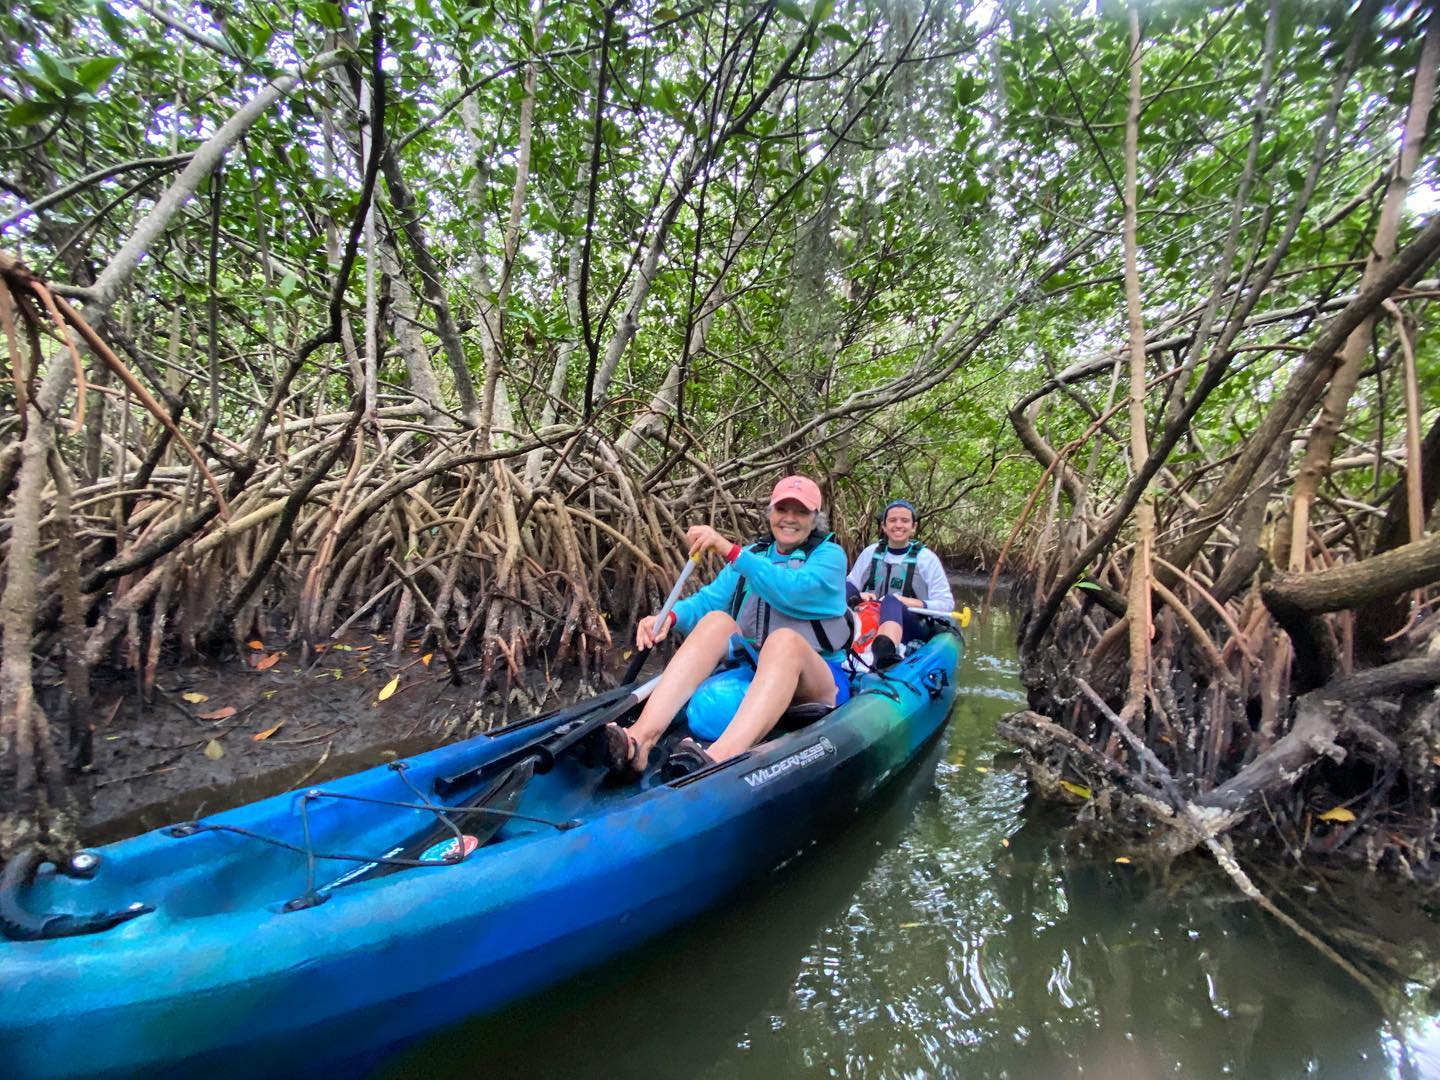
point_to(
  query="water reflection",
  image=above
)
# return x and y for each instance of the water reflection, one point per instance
(949, 934)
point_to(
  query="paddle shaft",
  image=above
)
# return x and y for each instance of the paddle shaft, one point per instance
(549, 750)
(961, 617)
(641, 655)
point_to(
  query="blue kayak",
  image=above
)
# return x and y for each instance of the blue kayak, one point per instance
(331, 925)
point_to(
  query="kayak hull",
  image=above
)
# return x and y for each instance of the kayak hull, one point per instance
(222, 977)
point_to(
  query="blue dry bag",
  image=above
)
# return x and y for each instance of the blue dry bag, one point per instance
(715, 700)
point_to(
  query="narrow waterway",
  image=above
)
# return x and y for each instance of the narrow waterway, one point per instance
(949, 933)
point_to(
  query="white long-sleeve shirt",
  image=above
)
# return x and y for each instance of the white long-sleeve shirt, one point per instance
(930, 584)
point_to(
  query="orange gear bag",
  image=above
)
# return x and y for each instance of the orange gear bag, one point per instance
(869, 615)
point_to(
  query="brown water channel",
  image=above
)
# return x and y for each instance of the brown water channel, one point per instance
(949, 933)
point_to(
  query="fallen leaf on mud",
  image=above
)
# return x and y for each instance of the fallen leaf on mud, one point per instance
(258, 645)
(219, 714)
(195, 698)
(344, 648)
(425, 660)
(910, 925)
(1123, 860)
(214, 751)
(261, 736)
(362, 648)
(1338, 813)
(265, 663)
(389, 688)
(981, 768)
(1077, 789)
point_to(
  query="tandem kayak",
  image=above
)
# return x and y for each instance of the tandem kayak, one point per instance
(333, 924)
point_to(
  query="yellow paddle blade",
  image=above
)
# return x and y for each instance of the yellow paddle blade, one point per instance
(963, 617)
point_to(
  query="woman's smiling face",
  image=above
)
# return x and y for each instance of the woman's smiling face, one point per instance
(790, 523)
(899, 526)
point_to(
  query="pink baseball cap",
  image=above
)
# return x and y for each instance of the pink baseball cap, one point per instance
(800, 488)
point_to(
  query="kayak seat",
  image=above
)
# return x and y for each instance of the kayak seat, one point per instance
(803, 715)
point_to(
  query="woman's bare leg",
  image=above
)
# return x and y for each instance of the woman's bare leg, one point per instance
(789, 671)
(892, 614)
(703, 648)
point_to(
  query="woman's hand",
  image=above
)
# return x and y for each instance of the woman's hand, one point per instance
(646, 633)
(911, 601)
(704, 538)
(868, 596)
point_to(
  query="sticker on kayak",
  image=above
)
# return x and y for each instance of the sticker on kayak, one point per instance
(448, 849)
(798, 760)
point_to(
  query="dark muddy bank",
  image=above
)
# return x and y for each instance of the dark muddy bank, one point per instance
(224, 732)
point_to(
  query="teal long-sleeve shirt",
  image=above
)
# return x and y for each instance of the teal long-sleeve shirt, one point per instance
(813, 590)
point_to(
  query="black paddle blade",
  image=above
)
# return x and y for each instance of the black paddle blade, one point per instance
(502, 795)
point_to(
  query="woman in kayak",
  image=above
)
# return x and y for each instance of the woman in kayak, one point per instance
(786, 597)
(901, 573)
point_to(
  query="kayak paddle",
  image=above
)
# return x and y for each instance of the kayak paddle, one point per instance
(962, 616)
(641, 655)
(444, 841)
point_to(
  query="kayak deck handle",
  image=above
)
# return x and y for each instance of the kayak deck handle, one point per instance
(935, 681)
(20, 925)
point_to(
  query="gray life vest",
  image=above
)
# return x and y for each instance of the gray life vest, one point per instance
(758, 619)
(898, 577)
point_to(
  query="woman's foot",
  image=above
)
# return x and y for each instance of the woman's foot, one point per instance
(884, 652)
(626, 757)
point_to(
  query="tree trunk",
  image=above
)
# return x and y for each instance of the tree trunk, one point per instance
(1411, 566)
(1327, 427)
(432, 283)
(492, 398)
(1378, 619)
(1139, 605)
(420, 373)
(1319, 720)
